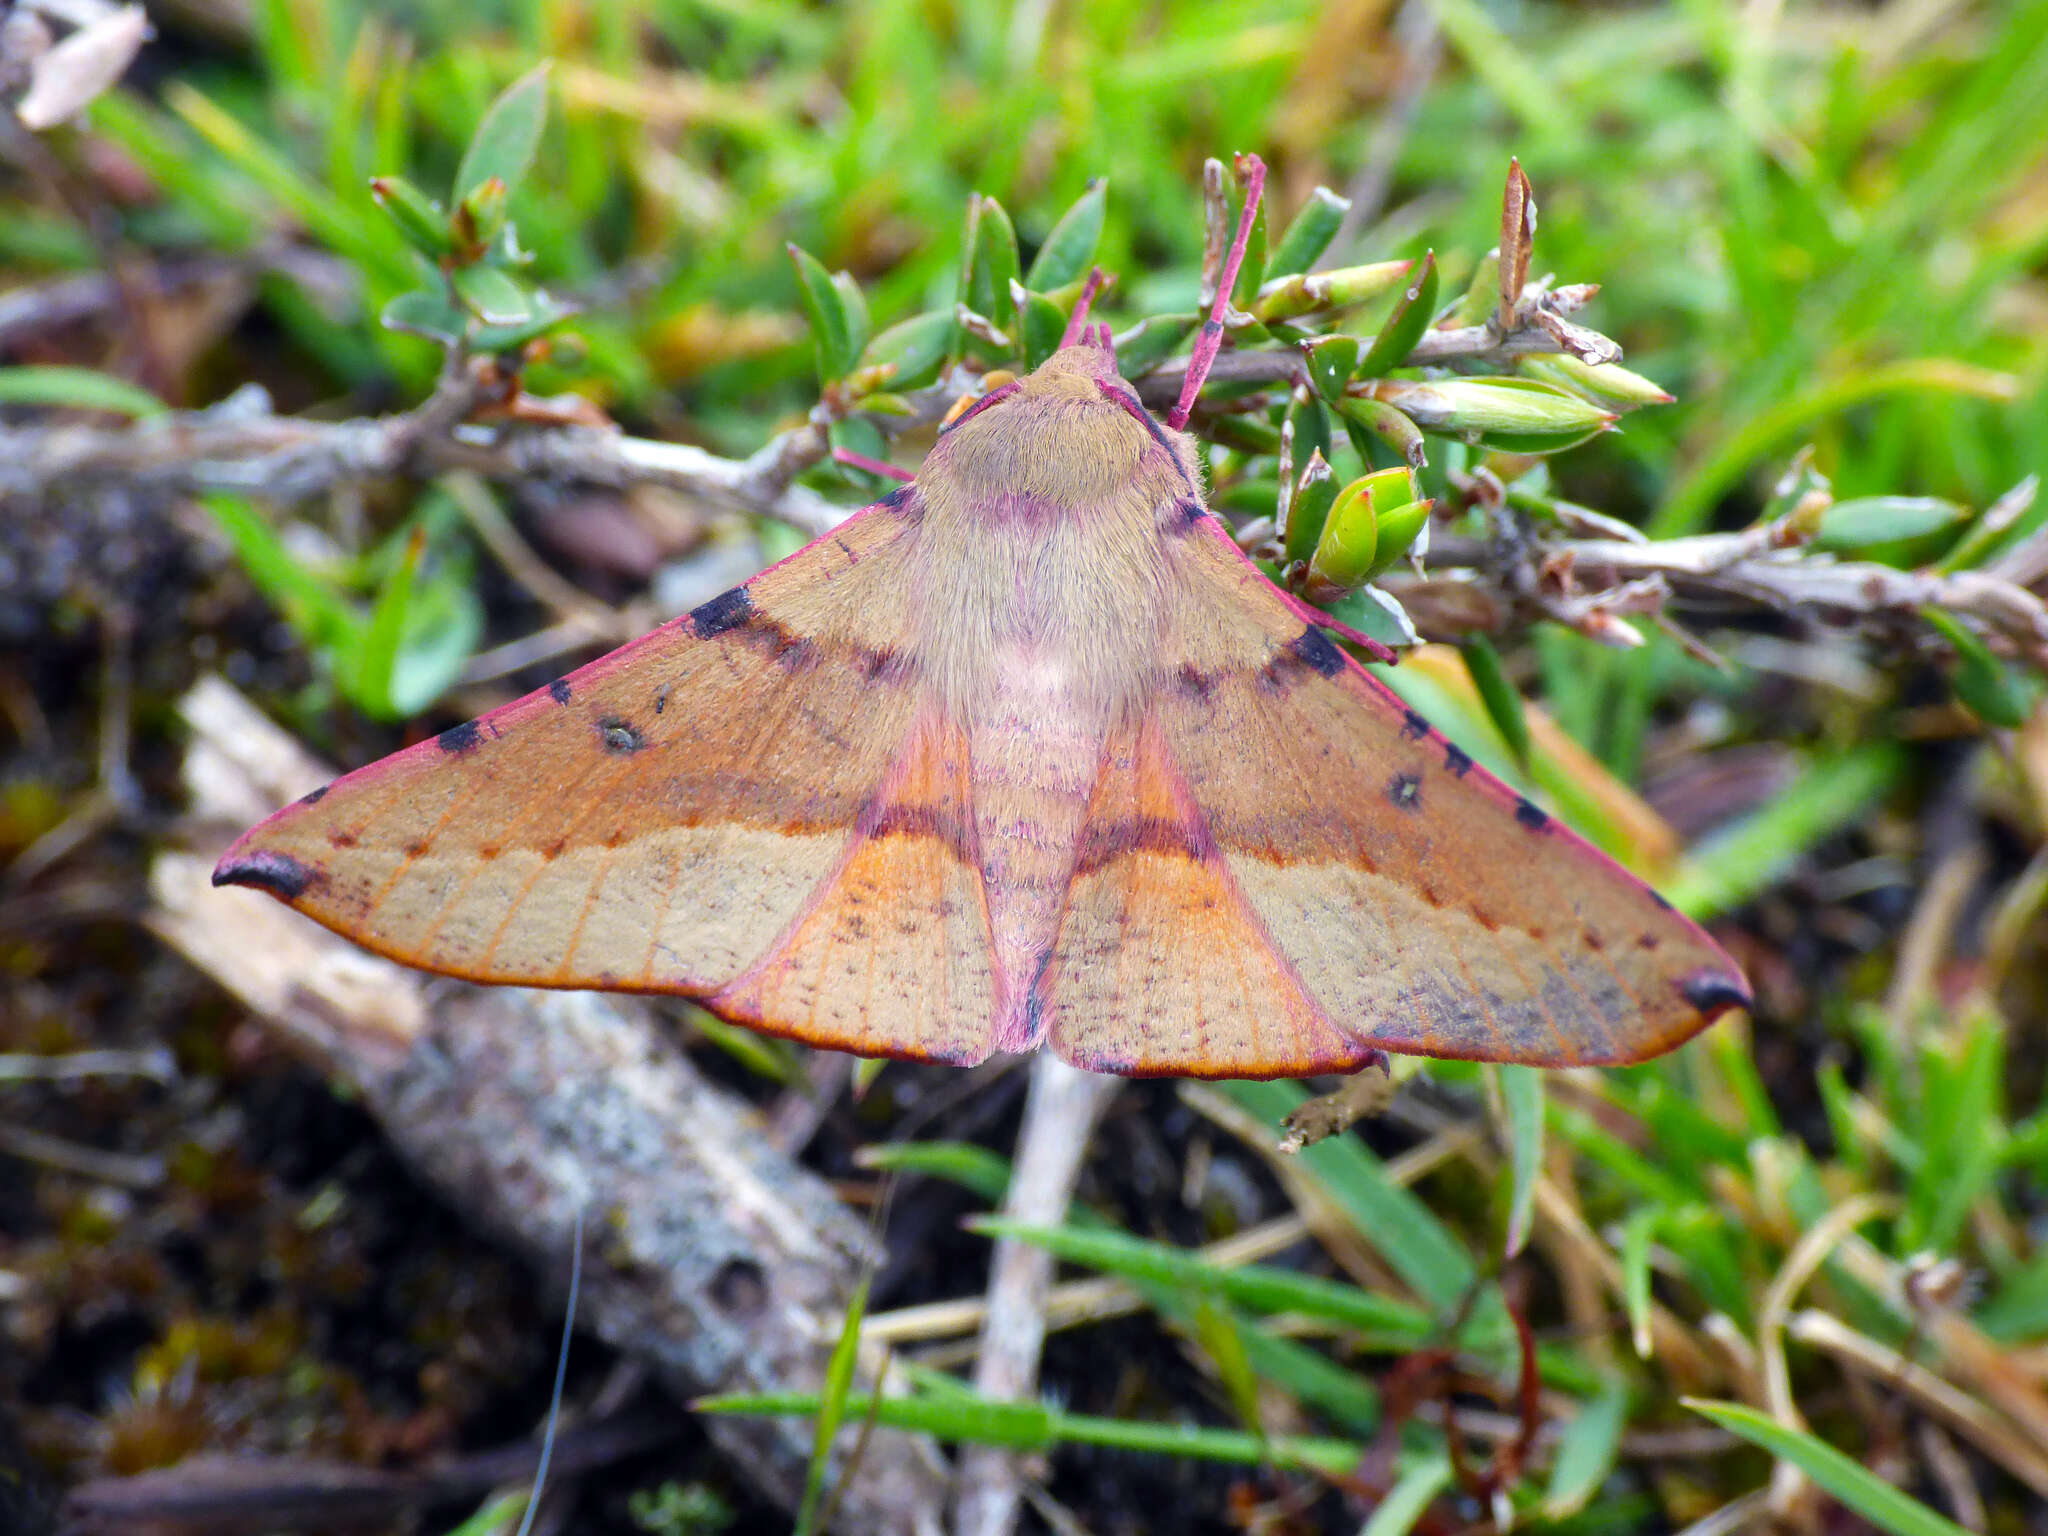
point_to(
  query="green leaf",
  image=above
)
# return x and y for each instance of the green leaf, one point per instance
(1866, 520)
(543, 315)
(831, 326)
(1858, 1488)
(375, 658)
(1309, 509)
(1993, 691)
(422, 221)
(1502, 699)
(444, 622)
(313, 608)
(1399, 528)
(1607, 384)
(1411, 315)
(972, 1167)
(1069, 247)
(480, 216)
(493, 295)
(1311, 424)
(1585, 1454)
(965, 1417)
(1351, 534)
(1521, 1093)
(1332, 364)
(1219, 1334)
(914, 347)
(832, 1406)
(79, 388)
(1041, 322)
(1509, 414)
(853, 304)
(1388, 423)
(1410, 1497)
(1309, 235)
(1376, 612)
(1636, 1233)
(507, 139)
(991, 260)
(426, 312)
(1255, 1287)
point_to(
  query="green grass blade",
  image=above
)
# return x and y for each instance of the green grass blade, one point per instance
(832, 1406)
(1861, 1489)
(80, 388)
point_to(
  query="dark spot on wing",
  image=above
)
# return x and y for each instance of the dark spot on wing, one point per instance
(415, 848)
(314, 797)
(1193, 681)
(661, 698)
(488, 851)
(1530, 815)
(559, 690)
(1413, 726)
(903, 502)
(1405, 791)
(266, 870)
(554, 850)
(1658, 897)
(1714, 992)
(728, 610)
(1455, 759)
(882, 664)
(1319, 651)
(620, 736)
(340, 839)
(458, 739)
(1188, 512)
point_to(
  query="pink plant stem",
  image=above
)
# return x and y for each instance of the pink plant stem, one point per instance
(872, 466)
(1077, 323)
(1211, 340)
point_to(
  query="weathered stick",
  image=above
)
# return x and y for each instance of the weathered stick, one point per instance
(1059, 1121)
(710, 1256)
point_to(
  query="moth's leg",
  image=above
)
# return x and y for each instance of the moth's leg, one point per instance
(1211, 338)
(1077, 323)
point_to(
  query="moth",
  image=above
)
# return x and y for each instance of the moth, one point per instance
(1028, 752)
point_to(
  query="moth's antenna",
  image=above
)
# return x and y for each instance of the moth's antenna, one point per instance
(1077, 323)
(1105, 340)
(547, 1442)
(1211, 338)
(872, 466)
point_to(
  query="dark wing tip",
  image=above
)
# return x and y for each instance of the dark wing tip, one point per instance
(265, 870)
(1716, 992)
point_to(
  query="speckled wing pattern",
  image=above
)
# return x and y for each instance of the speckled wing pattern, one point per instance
(1286, 867)
(717, 810)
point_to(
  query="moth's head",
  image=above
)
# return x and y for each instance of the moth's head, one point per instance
(1068, 433)
(1076, 382)
(1075, 372)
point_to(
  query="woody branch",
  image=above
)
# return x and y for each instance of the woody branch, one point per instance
(241, 446)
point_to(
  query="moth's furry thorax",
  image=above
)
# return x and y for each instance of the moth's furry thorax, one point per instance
(1049, 522)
